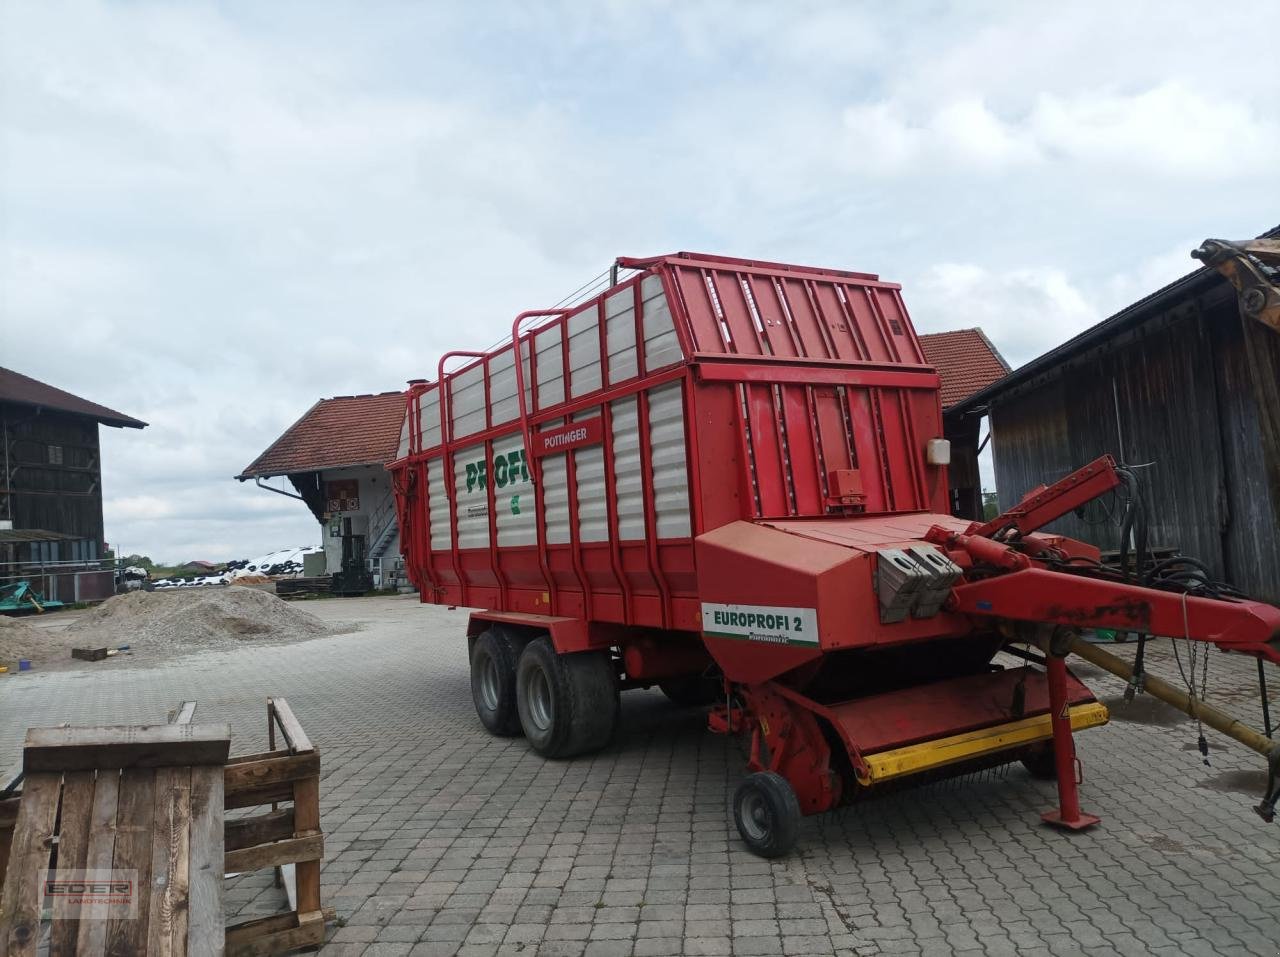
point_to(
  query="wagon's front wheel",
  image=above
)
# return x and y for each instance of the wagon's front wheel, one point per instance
(568, 704)
(767, 814)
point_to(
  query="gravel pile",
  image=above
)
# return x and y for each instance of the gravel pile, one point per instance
(163, 623)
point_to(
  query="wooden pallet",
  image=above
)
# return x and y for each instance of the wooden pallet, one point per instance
(287, 838)
(143, 801)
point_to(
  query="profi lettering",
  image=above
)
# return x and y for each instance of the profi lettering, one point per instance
(507, 470)
(743, 619)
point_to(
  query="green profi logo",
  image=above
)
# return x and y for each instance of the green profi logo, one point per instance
(771, 624)
(509, 469)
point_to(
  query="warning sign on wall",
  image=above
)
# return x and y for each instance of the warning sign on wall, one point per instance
(343, 495)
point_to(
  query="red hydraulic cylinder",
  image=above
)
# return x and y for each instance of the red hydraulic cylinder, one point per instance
(1068, 815)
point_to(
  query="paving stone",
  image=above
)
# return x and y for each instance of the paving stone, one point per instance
(442, 840)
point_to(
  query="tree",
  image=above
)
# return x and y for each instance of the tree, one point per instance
(990, 506)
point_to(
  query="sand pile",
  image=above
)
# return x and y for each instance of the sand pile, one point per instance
(166, 622)
(21, 640)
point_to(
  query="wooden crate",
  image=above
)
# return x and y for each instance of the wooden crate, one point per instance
(144, 800)
(286, 836)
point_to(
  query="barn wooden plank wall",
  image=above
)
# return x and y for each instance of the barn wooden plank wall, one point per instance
(1174, 394)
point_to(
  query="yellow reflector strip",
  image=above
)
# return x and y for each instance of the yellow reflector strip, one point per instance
(926, 755)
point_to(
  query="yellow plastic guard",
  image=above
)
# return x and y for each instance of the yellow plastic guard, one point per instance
(927, 755)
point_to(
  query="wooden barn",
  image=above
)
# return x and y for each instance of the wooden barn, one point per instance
(51, 528)
(1179, 385)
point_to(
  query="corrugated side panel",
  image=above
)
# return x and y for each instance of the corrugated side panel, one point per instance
(670, 469)
(627, 481)
(438, 512)
(584, 352)
(513, 493)
(760, 310)
(550, 367)
(555, 489)
(593, 502)
(502, 388)
(429, 419)
(473, 499)
(661, 346)
(403, 448)
(466, 401)
(620, 322)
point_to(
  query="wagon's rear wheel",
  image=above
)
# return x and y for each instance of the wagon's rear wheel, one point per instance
(568, 704)
(767, 814)
(493, 681)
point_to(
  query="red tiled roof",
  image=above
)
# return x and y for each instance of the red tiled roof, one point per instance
(966, 362)
(24, 390)
(345, 430)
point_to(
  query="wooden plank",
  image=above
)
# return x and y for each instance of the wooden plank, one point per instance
(135, 819)
(297, 739)
(293, 850)
(170, 853)
(29, 859)
(91, 932)
(238, 934)
(255, 774)
(306, 819)
(183, 714)
(144, 746)
(258, 942)
(205, 926)
(8, 818)
(73, 852)
(252, 797)
(261, 755)
(89, 654)
(260, 829)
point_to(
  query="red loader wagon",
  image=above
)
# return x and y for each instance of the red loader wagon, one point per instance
(727, 478)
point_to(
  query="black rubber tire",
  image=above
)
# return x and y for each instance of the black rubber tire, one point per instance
(568, 704)
(767, 814)
(691, 691)
(493, 692)
(1041, 764)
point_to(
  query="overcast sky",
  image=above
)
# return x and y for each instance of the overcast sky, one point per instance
(212, 215)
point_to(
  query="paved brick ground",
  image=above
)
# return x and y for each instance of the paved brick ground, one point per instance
(443, 840)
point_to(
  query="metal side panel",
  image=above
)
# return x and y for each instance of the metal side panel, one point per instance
(466, 401)
(438, 512)
(403, 448)
(550, 367)
(627, 479)
(429, 419)
(584, 352)
(670, 469)
(593, 504)
(620, 335)
(661, 347)
(470, 483)
(502, 388)
(555, 491)
(513, 493)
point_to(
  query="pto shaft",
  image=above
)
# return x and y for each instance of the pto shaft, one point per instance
(1213, 717)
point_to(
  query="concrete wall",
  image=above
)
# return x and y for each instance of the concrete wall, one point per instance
(376, 507)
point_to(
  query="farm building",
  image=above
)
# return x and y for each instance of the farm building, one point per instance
(51, 529)
(1167, 385)
(966, 362)
(335, 458)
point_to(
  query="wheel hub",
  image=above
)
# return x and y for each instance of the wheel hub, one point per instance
(541, 709)
(489, 683)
